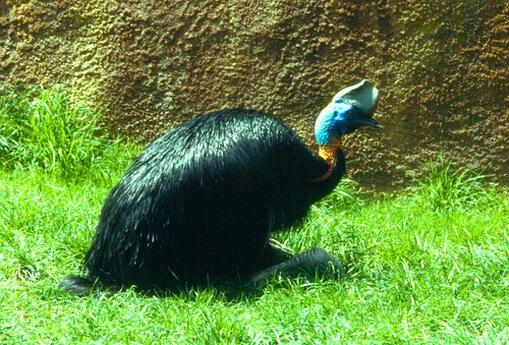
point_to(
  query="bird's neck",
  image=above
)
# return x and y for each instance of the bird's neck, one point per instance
(328, 153)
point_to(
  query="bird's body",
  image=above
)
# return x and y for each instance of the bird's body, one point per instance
(201, 201)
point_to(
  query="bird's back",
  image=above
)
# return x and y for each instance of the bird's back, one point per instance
(202, 199)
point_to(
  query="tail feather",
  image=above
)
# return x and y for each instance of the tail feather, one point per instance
(77, 285)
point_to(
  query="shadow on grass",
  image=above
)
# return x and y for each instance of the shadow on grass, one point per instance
(231, 290)
(236, 290)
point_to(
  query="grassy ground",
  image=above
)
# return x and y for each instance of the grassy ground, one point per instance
(428, 265)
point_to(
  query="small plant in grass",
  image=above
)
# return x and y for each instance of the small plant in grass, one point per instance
(446, 186)
(345, 196)
(41, 128)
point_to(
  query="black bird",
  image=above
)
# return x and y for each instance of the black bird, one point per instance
(200, 202)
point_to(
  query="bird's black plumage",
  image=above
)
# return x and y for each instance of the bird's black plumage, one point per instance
(201, 200)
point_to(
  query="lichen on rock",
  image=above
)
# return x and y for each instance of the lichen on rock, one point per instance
(441, 68)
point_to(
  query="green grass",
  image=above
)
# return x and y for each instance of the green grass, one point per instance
(42, 129)
(428, 265)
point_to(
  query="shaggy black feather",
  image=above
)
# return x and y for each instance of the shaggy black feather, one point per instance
(199, 203)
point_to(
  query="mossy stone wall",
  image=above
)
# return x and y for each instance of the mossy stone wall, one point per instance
(442, 68)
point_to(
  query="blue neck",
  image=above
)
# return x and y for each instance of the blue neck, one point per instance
(331, 122)
(322, 133)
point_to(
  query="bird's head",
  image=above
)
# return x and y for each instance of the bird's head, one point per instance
(350, 109)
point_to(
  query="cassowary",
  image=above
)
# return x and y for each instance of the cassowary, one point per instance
(199, 204)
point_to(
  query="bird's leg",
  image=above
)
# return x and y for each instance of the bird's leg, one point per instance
(313, 262)
(273, 254)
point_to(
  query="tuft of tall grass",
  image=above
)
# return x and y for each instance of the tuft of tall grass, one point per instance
(445, 186)
(41, 128)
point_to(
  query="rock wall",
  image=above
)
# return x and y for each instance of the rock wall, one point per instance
(442, 68)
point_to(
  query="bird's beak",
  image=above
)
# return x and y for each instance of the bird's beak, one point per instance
(372, 123)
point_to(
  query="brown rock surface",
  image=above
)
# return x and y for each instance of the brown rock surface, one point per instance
(442, 68)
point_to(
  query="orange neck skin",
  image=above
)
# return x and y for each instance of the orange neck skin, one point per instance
(328, 153)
